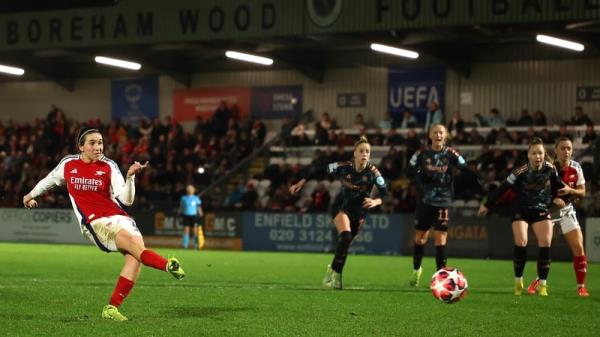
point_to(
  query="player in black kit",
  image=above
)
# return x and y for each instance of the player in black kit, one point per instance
(432, 169)
(357, 177)
(536, 183)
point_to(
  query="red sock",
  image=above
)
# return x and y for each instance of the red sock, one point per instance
(151, 259)
(580, 265)
(121, 291)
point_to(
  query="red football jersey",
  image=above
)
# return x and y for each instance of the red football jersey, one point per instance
(94, 188)
(572, 176)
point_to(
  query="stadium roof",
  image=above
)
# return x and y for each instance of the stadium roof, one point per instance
(181, 37)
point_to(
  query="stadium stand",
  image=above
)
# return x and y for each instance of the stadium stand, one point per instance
(176, 154)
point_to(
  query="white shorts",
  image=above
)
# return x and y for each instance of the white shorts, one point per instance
(568, 220)
(103, 231)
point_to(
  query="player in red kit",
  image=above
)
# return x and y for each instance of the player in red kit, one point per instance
(572, 175)
(96, 188)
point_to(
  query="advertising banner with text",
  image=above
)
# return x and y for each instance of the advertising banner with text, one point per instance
(191, 103)
(381, 233)
(277, 102)
(40, 225)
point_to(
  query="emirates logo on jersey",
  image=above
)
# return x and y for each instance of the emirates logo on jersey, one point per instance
(85, 184)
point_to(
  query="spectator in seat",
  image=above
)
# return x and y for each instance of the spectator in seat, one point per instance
(408, 120)
(322, 129)
(359, 122)
(539, 119)
(526, 119)
(580, 118)
(590, 134)
(456, 124)
(377, 138)
(319, 199)
(386, 122)
(393, 138)
(249, 198)
(495, 120)
(434, 116)
(563, 132)
(475, 137)
(529, 136)
(547, 136)
(412, 144)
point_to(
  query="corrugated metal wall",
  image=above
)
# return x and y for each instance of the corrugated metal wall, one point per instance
(319, 97)
(510, 86)
(546, 85)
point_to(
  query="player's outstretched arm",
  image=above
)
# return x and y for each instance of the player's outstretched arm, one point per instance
(295, 188)
(29, 201)
(135, 168)
(370, 203)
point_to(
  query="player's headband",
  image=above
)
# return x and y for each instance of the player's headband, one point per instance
(82, 135)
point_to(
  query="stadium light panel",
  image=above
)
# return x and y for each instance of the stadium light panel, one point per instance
(559, 42)
(118, 63)
(394, 51)
(11, 70)
(249, 58)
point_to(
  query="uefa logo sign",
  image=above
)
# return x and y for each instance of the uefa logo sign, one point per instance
(324, 13)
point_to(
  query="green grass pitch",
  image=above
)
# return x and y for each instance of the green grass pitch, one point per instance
(59, 290)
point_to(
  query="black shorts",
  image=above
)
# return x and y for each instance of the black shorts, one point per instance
(190, 220)
(356, 216)
(428, 216)
(531, 215)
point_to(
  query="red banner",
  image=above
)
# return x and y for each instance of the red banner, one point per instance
(191, 103)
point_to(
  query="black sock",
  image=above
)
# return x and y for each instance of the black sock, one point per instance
(341, 251)
(418, 256)
(519, 259)
(543, 263)
(440, 257)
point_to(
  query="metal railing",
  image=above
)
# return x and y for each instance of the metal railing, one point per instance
(262, 149)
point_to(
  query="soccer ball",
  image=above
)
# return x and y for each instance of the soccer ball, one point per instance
(448, 285)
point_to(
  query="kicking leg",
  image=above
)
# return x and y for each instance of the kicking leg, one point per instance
(134, 245)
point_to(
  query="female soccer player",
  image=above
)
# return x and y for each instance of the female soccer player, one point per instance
(190, 208)
(96, 187)
(357, 177)
(433, 171)
(535, 184)
(572, 176)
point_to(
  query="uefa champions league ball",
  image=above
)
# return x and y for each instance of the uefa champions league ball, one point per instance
(449, 285)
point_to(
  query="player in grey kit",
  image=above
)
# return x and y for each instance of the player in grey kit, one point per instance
(433, 172)
(357, 177)
(536, 183)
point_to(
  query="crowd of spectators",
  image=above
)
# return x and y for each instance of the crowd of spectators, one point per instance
(488, 168)
(28, 151)
(328, 133)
